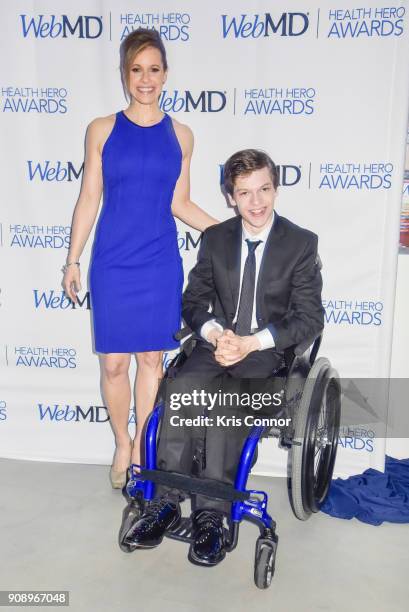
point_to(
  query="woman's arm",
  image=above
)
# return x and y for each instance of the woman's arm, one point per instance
(182, 206)
(87, 205)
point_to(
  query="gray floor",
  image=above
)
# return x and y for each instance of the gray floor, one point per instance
(59, 527)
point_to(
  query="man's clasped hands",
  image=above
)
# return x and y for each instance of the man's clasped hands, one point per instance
(231, 348)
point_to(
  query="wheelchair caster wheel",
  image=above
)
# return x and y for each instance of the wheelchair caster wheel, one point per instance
(264, 562)
(130, 515)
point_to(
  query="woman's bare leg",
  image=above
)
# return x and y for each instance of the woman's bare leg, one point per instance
(116, 391)
(148, 375)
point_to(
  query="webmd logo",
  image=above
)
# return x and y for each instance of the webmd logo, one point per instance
(264, 25)
(57, 300)
(58, 412)
(187, 242)
(63, 413)
(206, 101)
(57, 171)
(51, 26)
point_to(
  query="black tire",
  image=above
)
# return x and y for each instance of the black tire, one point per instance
(322, 461)
(264, 564)
(312, 457)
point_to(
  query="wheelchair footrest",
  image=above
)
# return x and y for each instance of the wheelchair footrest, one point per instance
(202, 486)
(184, 532)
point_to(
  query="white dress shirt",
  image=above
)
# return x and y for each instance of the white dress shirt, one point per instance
(264, 336)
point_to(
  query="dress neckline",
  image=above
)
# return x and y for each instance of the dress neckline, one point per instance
(143, 126)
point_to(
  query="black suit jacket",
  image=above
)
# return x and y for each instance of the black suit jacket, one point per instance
(288, 293)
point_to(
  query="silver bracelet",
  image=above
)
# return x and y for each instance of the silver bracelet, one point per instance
(65, 266)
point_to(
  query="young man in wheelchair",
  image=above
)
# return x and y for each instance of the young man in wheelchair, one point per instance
(260, 274)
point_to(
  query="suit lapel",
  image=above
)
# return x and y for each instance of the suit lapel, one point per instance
(267, 261)
(233, 257)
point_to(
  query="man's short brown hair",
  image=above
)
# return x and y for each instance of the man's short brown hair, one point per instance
(243, 163)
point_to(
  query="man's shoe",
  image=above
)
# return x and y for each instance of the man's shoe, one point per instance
(208, 547)
(159, 516)
(131, 514)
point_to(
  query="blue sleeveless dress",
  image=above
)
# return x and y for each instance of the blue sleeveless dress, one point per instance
(136, 274)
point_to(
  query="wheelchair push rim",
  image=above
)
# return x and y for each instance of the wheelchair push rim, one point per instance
(313, 455)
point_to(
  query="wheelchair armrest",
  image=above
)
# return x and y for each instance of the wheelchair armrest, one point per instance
(187, 338)
(298, 350)
(183, 333)
(314, 342)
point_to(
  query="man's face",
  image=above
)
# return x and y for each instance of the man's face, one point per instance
(254, 196)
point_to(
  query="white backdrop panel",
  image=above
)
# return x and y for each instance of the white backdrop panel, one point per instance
(321, 86)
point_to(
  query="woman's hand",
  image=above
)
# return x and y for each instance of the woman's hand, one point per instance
(72, 281)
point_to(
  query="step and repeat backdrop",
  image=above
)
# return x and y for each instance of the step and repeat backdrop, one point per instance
(321, 86)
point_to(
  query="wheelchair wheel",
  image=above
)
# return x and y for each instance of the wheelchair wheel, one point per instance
(264, 562)
(312, 457)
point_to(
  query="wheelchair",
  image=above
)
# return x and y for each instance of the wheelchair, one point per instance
(311, 403)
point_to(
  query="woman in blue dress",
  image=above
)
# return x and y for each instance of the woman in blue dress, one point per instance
(139, 159)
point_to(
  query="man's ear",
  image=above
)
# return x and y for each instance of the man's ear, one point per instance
(231, 201)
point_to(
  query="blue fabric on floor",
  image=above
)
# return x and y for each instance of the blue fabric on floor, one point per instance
(372, 497)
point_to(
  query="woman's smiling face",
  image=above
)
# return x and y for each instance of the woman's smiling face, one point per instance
(146, 76)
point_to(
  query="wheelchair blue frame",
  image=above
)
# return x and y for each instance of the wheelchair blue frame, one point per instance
(255, 508)
(308, 486)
